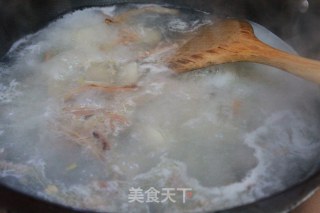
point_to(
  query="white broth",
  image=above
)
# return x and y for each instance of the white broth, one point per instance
(89, 112)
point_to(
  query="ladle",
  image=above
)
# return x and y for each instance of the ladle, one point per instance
(232, 40)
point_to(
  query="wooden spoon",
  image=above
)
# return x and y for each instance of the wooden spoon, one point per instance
(232, 40)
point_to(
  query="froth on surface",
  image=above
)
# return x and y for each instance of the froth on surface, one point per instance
(232, 133)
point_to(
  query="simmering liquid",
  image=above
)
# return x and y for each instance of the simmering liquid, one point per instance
(92, 118)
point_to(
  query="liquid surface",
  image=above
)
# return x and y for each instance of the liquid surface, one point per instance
(90, 113)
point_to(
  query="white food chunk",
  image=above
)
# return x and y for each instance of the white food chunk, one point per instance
(101, 71)
(150, 36)
(128, 74)
(154, 137)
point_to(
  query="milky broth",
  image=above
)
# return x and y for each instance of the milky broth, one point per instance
(90, 112)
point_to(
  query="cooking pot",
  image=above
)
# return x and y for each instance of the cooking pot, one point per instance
(289, 19)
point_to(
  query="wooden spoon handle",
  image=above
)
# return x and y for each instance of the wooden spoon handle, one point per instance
(299, 66)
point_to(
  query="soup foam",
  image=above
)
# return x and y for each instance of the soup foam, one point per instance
(89, 113)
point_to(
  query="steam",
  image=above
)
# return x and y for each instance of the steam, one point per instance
(304, 6)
